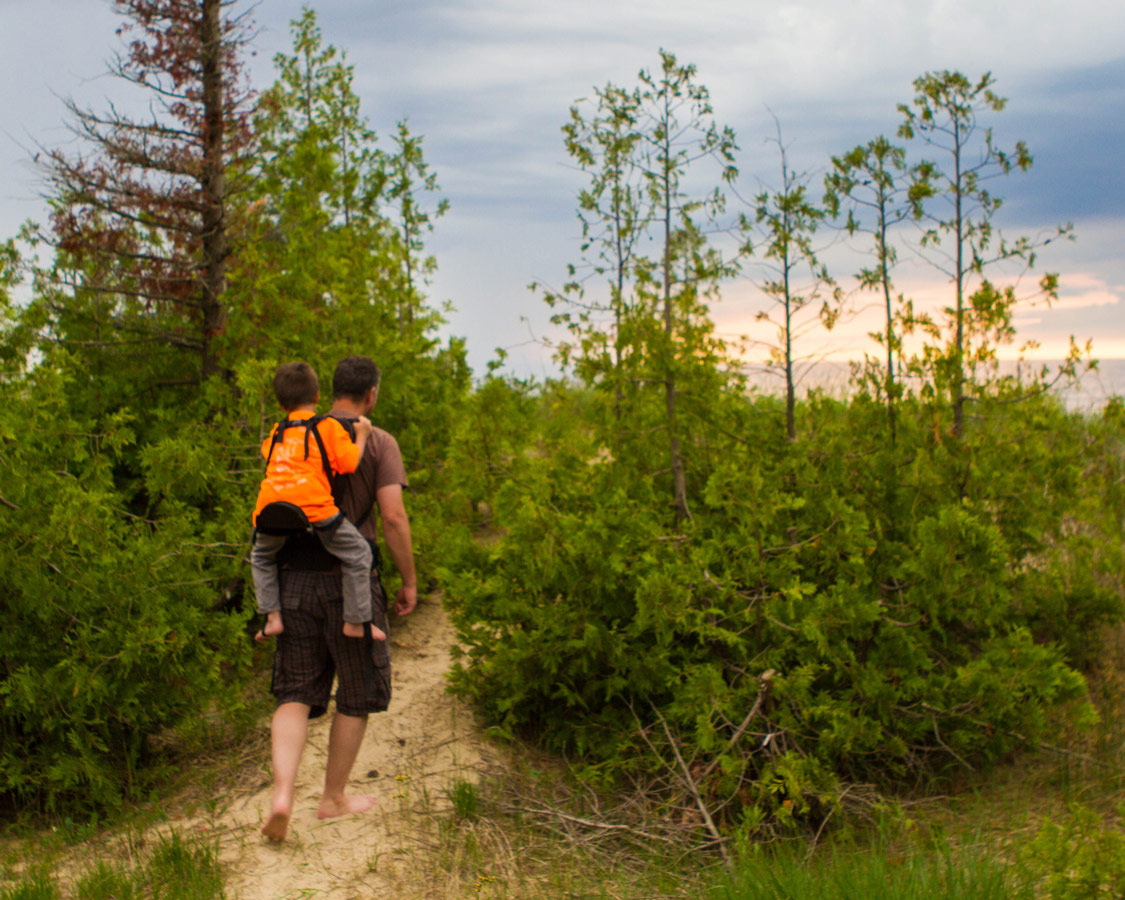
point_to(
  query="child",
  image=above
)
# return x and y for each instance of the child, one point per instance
(296, 474)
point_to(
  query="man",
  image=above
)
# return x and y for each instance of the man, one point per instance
(313, 648)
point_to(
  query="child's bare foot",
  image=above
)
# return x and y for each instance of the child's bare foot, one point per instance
(272, 628)
(276, 827)
(344, 806)
(357, 630)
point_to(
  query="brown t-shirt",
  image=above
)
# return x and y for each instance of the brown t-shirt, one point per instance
(380, 466)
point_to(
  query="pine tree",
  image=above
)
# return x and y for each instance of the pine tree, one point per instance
(870, 182)
(139, 220)
(951, 197)
(797, 279)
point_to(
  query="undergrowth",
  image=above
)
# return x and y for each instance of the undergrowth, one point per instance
(176, 868)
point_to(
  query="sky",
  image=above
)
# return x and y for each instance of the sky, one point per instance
(489, 83)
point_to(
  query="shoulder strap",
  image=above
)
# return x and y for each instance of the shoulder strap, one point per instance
(310, 427)
(278, 433)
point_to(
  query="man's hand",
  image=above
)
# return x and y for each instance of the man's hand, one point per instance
(396, 531)
(406, 600)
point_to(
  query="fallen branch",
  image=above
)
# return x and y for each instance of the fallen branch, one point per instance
(763, 690)
(693, 789)
(544, 808)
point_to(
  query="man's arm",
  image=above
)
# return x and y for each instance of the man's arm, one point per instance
(396, 532)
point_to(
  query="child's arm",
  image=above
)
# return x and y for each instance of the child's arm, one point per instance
(362, 433)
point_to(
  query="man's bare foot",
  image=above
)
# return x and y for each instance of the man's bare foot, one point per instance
(276, 826)
(345, 806)
(272, 628)
(356, 629)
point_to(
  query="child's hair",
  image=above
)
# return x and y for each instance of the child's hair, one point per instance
(354, 377)
(296, 384)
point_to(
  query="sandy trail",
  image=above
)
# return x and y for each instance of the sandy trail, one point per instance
(411, 754)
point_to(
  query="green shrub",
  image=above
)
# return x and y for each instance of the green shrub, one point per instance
(112, 634)
(1079, 858)
(919, 606)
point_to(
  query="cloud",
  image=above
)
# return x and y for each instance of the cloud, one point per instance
(489, 82)
(1080, 290)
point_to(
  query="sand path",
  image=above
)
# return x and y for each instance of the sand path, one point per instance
(412, 753)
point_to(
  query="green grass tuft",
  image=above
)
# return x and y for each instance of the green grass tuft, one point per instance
(177, 869)
(940, 874)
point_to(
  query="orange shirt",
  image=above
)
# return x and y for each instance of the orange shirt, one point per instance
(302, 482)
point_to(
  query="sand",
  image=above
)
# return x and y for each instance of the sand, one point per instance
(412, 753)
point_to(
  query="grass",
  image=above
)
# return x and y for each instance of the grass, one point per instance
(176, 869)
(465, 798)
(936, 874)
(496, 837)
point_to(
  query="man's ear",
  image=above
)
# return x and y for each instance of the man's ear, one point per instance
(371, 397)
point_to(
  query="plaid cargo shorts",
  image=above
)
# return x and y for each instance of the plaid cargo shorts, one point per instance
(312, 649)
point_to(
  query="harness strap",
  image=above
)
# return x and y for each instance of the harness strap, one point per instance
(369, 638)
(312, 423)
(310, 426)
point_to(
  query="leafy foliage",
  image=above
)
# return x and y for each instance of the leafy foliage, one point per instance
(1079, 858)
(116, 638)
(880, 595)
(123, 592)
(903, 640)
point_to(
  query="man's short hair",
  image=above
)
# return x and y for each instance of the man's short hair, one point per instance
(354, 377)
(296, 384)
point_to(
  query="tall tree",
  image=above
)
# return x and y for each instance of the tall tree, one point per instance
(409, 181)
(870, 183)
(646, 150)
(952, 198)
(614, 217)
(678, 130)
(140, 220)
(797, 279)
(322, 273)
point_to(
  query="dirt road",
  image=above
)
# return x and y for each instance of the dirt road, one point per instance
(413, 752)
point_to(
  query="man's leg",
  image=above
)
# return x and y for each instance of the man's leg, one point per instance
(288, 732)
(343, 747)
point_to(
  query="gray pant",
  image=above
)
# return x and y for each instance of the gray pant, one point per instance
(344, 542)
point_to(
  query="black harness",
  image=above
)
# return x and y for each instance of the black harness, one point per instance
(284, 519)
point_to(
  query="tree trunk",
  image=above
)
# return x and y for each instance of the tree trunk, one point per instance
(890, 335)
(959, 341)
(679, 480)
(213, 186)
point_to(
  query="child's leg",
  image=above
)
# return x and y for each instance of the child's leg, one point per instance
(351, 548)
(267, 585)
